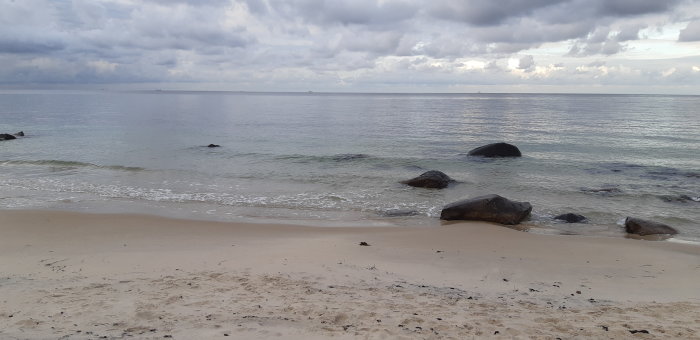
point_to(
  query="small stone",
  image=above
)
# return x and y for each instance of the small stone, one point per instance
(363, 243)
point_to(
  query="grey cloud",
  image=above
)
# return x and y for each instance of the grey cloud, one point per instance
(629, 32)
(691, 32)
(346, 12)
(526, 63)
(493, 13)
(211, 3)
(601, 41)
(257, 6)
(533, 32)
(29, 45)
(634, 7)
(359, 41)
(487, 13)
(380, 43)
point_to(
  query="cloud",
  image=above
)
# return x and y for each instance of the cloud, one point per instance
(346, 12)
(487, 13)
(690, 32)
(526, 63)
(343, 44)
(634, 7)
(29, 45)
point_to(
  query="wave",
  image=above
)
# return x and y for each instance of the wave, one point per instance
(70, 164)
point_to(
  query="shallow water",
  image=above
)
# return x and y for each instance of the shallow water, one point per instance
(338, 158)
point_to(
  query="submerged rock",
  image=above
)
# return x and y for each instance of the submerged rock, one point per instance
(430, 179)
(603, 191)
(7, 136)
(571, 218)
(349, 157)
(496, 150)
(399, 213)
(679, 198)
(490, 208)
(213, 146)
(644, 227)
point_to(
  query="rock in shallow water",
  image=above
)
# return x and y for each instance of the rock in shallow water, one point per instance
(490, 208)
(496, 150)
(430, 179)
(571, 218)
(7, 136)
(644, 227)
(399, 213)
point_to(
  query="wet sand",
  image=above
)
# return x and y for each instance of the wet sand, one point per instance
(84, 276)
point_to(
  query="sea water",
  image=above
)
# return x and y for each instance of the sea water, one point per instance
(337, 159)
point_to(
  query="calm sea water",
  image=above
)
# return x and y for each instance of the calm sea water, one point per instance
(338, 158)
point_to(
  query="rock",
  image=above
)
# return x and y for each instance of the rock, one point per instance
(20, 134)
(399, 213)
(430, 179)
(7, 136)
(496, 150)
(349, 157)
(680, 198)
(571, 218)
(643, 227)
(213, 146)
(603, 191)
(363, 243)
(491, 208)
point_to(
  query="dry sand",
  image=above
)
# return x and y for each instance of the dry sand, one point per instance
(80, 276)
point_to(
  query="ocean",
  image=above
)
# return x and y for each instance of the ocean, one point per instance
(337, 159)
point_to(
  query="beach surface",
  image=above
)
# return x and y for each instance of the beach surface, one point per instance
(69, 275)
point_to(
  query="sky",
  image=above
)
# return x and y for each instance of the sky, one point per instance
(555, 46)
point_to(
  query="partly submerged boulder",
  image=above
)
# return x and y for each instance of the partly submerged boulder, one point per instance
(20, 134)
(644, 227)
(213, 146)
(571, 218)
(496, 150)
(430, 179)
(490, 208)
(7, 136)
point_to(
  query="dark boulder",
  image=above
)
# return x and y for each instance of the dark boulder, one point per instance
(213, 146)
(20, 134)
(7, 136)
(643, 227)
(490, 208)
(496, 150)
(430, 179)
(571, 218)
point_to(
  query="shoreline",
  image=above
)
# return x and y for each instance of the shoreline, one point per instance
(65, 274)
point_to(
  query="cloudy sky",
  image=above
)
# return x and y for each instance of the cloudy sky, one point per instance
(613, 46)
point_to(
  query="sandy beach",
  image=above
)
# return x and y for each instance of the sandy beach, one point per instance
(83, 276)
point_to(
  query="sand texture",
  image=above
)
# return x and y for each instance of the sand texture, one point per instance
(83, 276)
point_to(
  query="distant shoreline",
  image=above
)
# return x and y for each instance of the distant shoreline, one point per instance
(11, 90)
